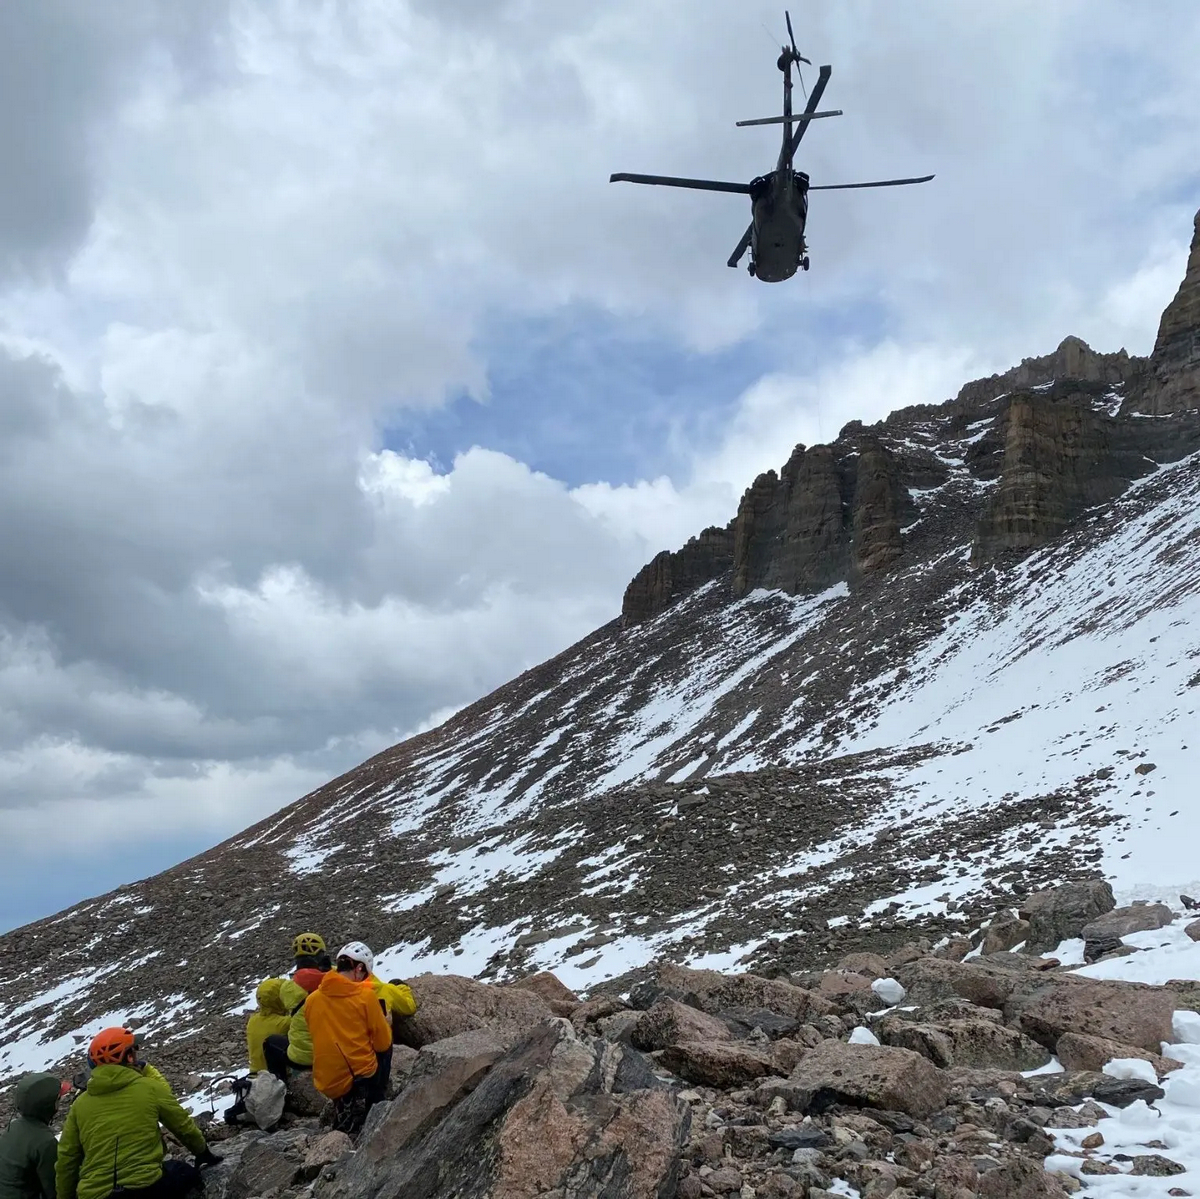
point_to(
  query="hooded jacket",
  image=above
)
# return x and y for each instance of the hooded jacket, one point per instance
(28, 1148)
(271, 1019)
(348, 1029)
(111, 1136)
(396, 997)
(294, 992)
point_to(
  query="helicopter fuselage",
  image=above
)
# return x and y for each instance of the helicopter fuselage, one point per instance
(779, 211)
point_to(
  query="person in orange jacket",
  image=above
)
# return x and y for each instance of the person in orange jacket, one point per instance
(351, 1038)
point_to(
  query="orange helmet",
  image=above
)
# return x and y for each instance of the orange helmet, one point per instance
(111, 1047)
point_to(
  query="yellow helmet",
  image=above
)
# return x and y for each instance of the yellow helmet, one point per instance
(308, 945)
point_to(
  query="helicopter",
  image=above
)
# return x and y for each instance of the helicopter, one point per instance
(779, 200)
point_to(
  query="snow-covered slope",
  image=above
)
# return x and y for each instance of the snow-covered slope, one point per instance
(770, 781)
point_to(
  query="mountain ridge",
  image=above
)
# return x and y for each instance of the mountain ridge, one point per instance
(864, 750)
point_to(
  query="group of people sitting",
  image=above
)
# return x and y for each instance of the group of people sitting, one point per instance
(332, 1017)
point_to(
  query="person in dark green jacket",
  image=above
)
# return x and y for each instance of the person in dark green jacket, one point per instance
(28, 1148)
(111, 1140)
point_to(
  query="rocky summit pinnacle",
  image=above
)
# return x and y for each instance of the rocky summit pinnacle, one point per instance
(1174, 374)
(924, 672)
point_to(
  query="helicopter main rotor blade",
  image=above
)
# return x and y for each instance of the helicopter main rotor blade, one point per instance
(742, 246)
(838, 187)
(813, 100)
(707, 185)
(795, 118)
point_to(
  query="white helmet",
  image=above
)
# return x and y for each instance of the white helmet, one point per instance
(356, 951)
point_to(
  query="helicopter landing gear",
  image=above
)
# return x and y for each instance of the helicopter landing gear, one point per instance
(804, 263)
(752, 270)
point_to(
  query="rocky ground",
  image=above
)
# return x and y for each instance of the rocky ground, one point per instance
(914, 1073)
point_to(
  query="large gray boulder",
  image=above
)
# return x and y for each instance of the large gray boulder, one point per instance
(449, 1004)
(980, 1043)
(1104, 934)
(669, 1022)
(867, 1076)
(716, 1063)
(558, 1114)
(1131, 1013)
(1061, 912)
(714, 992)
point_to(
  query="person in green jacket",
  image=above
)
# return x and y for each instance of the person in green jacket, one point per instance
(28, 1148)
(111, 1141)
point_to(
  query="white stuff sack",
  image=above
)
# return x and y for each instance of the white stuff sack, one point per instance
(264, 1104)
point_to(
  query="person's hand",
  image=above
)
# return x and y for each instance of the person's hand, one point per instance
(207, 1158)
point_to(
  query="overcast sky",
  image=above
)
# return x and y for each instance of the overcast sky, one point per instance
(338, 386)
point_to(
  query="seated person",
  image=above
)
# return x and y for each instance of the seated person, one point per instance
(352, 1041)
(112, 1143)
(271, 1018)
(293, 1050)
(28, 1149)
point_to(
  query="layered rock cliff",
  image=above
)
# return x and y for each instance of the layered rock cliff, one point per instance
(1029, 452)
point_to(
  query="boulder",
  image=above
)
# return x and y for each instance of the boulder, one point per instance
(716, 1064)
(1067, 1090)
(1131, 1013)
(713, 992)
(1077, 1051)
(1193, 930)
(403, 1059)
(325, 1151)
(1006, 931)
(976, 1043)
(548, 987)
(931, 979)
(1104, 934)
(1061, 912)
(556, 1115)
(670, 1022)
(263, 1167)
(466, 1055)
(867, 1076)
(1020, 1179)
(303, 1099)
(743, 1021)
(450, 1004)
(870, 965)
(836, 985)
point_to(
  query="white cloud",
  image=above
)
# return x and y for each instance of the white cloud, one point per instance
(277, 230)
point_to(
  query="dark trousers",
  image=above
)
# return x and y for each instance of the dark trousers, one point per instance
(275, 1051)
(178, 1179)
(351, 1109)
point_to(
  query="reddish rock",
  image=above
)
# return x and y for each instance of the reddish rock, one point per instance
(1130, 1013)
(548, 986)
(1077, 1051)
(869, 1076)
(450, 1004)
(669, 1022)
(716, 1064)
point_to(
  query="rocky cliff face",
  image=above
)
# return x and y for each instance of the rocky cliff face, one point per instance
(670, 576)
(1173, 378)
(1062, 455)
(1055, 435)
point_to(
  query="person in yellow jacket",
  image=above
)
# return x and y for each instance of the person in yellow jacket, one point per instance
(352, 1040)
(271, 1018)
(111, 1141)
